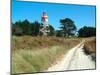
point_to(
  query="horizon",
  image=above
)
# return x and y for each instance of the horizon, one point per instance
(82, 15)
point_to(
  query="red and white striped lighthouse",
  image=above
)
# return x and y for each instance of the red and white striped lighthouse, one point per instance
(44, 20)
(44, 17)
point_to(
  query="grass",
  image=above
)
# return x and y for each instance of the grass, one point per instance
(29, 61)
(28, 42)
(90, 45)
(36, 54)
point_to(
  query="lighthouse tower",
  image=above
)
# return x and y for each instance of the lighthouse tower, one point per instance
(45, 30)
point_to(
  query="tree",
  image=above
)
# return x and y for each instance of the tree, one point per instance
(87, 31)
(52, 30)
(13, 28)
(59, 33)
(25, 26)
(67, 26)
(21, 28)
(35, 28)
(16, 28)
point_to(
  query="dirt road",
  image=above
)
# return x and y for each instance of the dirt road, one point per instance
(75, 59)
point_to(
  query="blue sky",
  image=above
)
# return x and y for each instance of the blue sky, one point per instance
(32, 11)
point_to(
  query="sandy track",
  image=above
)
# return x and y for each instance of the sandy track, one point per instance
(73, 60)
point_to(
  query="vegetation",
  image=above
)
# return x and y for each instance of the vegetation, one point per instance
(90, 47)
(36, 54)
(21, 28)
(68, 27)
(32, 52)
(87, 32)
(29, 42)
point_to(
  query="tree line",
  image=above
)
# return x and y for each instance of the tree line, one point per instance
(67, 29)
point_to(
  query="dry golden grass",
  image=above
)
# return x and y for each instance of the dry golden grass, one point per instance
(36, 54)
(90, 45)
(29, 42)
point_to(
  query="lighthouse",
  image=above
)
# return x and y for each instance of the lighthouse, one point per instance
(44, 19)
